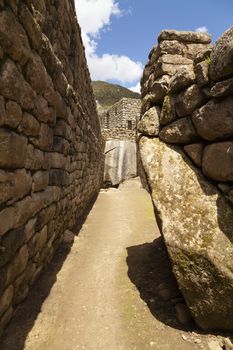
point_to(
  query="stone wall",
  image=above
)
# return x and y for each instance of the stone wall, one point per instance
(186, 147)
(50, 139)
(120, 121)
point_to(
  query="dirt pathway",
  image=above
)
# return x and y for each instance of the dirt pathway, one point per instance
(103, 294)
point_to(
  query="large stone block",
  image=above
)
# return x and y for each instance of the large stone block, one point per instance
(6, 299)
(170, 64)
(222, 88)
(182, 79)
(218, 161)
(17, 266)
(185, 36)
(13, 114)
(197, 225)
(180, 131)
(149, 124)
(31, 26)
(120, 161)
(15, 185)
(221, 58)
(168, 113)
(188, 100)
(13, 149)
(215, 120)
(14, 87)
(10, 243)
(13, 38)
(29, 125)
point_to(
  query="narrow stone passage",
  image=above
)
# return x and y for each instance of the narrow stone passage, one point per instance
(103, 295)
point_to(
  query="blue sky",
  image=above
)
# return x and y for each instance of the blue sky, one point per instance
(118, 35)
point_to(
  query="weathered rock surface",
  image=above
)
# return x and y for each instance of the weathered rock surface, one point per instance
(218, 161)
(180, 131)
(185, 36)
(159, 88)
(188, 100)
(222, 88)
(149, 124)
(182, 79)
(168, 113)
(215, 120)
(196, 222)
(195, 152)
(221, 58)
(120, 161)
(170, 64)
(202, 73)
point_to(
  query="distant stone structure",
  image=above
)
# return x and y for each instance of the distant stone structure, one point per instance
(120, 121)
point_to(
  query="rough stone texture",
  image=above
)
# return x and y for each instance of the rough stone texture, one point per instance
(168, 113)
(120, 161)
(218, 161)
(149, 124)
(180, 131)
(51, 149)
(195, 152)
(202, 232)
(195, 217)
(221, 58)
(222, 88)
(170, 64)
(202, 73)
(189, 100)
(185, 36)
(215, 119)
(182, 79)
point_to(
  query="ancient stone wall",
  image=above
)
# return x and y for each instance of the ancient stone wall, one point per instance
(186, 147)
(121, 119)
(50, 140)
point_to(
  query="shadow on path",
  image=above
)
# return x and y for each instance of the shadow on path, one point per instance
(15, 334)
(149, 267)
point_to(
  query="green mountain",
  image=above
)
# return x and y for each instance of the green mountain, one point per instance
(107, 94)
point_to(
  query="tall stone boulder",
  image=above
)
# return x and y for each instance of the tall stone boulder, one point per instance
(196, 222)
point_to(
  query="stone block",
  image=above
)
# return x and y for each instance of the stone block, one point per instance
(215, 120)
(40, 180)
(43, 112)
(221, 58)
(195, 152)
(184, 36)
(14, 186)
(180, 131)
(32, 27)
(17, 265)
(222, 88)
(218, 161)
(182, 79)
(168, 113)
(2, 110)
(45, 139)
(13, 149)
(13, 38)
(149, 124)
(58, 177)
(13, 114)
(29, 125)
(37, 242)
(6, 299)
(202, 73)
(14, 87)
(188, 100)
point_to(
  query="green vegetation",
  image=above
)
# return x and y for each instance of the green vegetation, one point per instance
(208, 60)
(107, 94)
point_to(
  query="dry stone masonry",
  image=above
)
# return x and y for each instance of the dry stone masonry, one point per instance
(50, 139)
(186, 148)
(120, 121)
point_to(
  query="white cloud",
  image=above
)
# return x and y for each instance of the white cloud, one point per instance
(136, 88)
(94, 16)
(202, 30)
